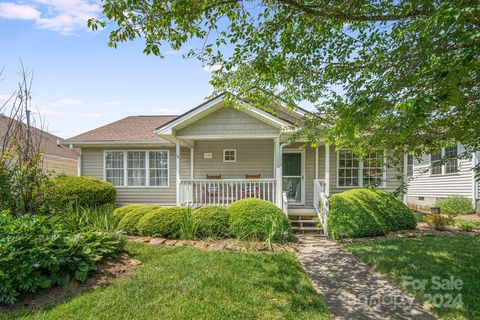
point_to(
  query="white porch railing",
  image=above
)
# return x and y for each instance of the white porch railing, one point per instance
(285, 203)
(222, 192)
(320, 203)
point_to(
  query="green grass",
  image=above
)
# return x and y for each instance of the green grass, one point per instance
(189, 283)
(424, 258)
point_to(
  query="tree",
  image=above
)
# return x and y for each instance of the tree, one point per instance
(402, 75)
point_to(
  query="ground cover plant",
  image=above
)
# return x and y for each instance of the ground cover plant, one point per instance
(455, 205)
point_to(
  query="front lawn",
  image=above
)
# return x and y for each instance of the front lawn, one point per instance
(189, 283)
(427, 257)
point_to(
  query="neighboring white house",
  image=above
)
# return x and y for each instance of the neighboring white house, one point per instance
(431, 179)
(216, 155)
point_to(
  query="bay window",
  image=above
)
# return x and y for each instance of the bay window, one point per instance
(355, 172)
(137, 168)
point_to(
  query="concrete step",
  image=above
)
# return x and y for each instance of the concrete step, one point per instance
(303, 221)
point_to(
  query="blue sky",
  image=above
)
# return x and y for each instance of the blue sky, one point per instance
(79, 82)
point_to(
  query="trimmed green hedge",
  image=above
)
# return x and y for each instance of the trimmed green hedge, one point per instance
(129, 222)
(359, 213)
(210, 221)
(258, 219)
(80, 191)
(163, 222)
(120, 212)
(455, 205)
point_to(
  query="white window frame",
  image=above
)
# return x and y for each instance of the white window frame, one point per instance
(443, 164)
(360, 173)
(234, 154)
(147, 168)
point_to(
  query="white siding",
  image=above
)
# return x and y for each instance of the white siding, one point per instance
(227, 121)
(440, 186)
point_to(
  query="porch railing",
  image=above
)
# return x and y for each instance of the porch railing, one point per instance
(320, 203)
(201, 192)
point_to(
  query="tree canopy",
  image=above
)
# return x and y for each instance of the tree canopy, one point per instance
(402, 75)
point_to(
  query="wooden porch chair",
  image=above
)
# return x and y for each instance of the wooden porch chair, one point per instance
(252, 190)
(213, 190)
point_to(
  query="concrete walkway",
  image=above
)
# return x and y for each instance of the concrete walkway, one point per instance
(350, 288)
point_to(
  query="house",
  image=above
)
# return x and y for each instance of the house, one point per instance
(216, 155)
(56, 158)
(431, 179)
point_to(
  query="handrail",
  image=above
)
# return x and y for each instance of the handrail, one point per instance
(228, 180)
(285, 203)
(320, 203)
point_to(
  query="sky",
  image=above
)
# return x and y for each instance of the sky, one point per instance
(79, 82)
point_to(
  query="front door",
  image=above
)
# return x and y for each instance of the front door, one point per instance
(293, 181)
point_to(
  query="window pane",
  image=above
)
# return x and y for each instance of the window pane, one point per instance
(114, 168)
(373, 167)
(158, 168)
(436, 165)
(410, 166)
(348, 169)
(451, 166)
(136, 171)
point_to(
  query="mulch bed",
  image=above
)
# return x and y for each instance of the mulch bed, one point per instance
(223, 244)
(105, 273)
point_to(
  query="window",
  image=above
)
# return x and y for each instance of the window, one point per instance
(355, 172)
(229, 155)
(348, 169)
(137, 168)
(158, 166)
(436, 164)
(373, 167)
(114, 172)
(451, 166)
(409, 166)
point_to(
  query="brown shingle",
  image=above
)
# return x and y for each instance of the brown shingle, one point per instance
(48, 140)
(133, 128)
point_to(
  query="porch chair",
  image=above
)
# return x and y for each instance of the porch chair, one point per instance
(212, 190)
(251, 190)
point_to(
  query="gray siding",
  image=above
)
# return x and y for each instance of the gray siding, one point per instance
(440, 186)
(227, 121)
(92, 165)
(253, 157)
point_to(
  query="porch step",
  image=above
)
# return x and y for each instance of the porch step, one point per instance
(304, 230)
(303, 220)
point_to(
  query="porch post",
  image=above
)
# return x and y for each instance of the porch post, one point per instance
(192, 172)
(405, 181)
(177, 170)
(316, 162)
(327, 169)
(278, 172)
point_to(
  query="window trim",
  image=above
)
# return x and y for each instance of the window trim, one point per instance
(235, 155)
(360, 172)
(147, 168)
(443, 165)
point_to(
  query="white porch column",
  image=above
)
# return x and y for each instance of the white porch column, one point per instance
(316, 162)
(192, 172)
(327, 169)
(278, 172)
(177, 170)
(474, 181)
(405, 181)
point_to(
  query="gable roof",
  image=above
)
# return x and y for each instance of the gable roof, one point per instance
(48, 140)
(129, 129)
(278, 116)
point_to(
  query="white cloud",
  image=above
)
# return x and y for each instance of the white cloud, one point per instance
(66, 102)
(109, 103)
(92, 115)
(166, 111)
(64, 16)
(5, 97)
(47, 111)
(214, 67)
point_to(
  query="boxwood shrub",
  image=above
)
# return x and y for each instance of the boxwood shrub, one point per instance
(163, 222)
(455, 205)
(119, 212)
(210, 221)
(37, 252)
(129, 222)
(366, 212)
(258, 219)
(80, 191)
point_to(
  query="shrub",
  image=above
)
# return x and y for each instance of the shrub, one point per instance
(455, 205)
(100, 218)
(36, 252)
(129, 222)
(438, 221)
(164, 222)
(211, 221)
(80, 191)
(366, 212)
(121, 211)
(466, 226)
(258, 219)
